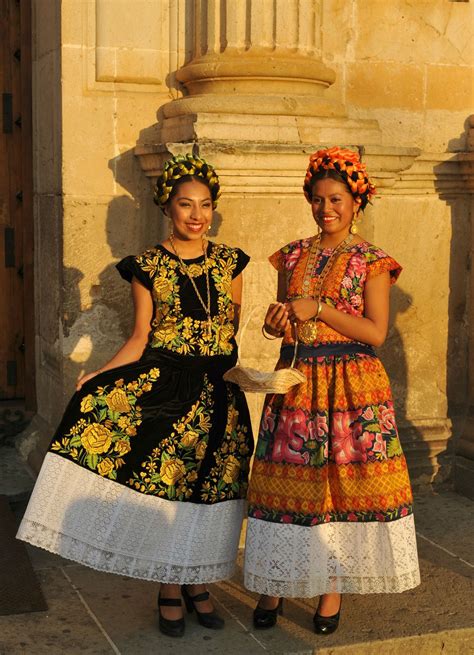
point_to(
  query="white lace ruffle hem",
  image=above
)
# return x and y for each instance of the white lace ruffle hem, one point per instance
(350, 558)
(97, 522)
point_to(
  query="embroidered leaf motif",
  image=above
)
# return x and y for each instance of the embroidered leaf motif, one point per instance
(394, 448)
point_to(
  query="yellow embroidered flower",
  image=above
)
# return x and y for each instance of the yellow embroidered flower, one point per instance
(96, 438)
(119, 383)
(154, 374)
(167, 331)
(123, 422)
(163, 288)
(132, 386)
(131, 430)
(226, 332)
(105, 466)
(122, 447)
(194, 270)
(147, 386)
(172, 470)
(117, 401)
(192, 476)
(179, 427)
(189, 438)
(232, 418)
(87, 404)
(231, 469)
(204, 422)
(201, 450)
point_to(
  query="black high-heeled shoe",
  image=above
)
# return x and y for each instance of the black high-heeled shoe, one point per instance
(326, 625)
(210, 620)
(263, 619)
(170, 627)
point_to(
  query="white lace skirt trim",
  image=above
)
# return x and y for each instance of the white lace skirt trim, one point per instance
(355, 558)
(97, 522)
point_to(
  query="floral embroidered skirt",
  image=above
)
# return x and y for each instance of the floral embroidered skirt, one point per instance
(146, 475)
(330, 502)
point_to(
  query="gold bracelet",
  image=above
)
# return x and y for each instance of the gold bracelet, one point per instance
(270, 337)
(320, 309)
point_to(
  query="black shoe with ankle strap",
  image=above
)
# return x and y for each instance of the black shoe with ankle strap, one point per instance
(210, 620)
(326, 625)
(169, 627)
(263, 619)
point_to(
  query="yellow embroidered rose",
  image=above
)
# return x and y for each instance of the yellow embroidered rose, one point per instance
(231, 469)
(201, 450)
(163, 288)
(105, 466)
(117, 401)
(167, 331)
(194, 270)
(87, 404)
(122, 447)
(189, 438)
(172, 470)
(96, 438)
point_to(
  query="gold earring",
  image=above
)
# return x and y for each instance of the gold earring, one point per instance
(170, 226)
(353, 228)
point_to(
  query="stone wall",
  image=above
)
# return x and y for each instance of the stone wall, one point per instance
(256, 86)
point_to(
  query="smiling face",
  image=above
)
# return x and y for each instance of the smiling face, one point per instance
(190, 209)
(333, 207)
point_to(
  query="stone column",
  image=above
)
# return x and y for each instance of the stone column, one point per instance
(257, 57)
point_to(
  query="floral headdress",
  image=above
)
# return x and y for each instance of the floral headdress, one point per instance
(348, 165)
(179, 166)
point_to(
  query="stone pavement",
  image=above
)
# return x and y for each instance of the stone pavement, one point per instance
(99, 613)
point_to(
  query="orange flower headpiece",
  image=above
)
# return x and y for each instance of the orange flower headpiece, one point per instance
(348, 165)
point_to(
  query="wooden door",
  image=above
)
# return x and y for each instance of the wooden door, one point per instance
(16, 243)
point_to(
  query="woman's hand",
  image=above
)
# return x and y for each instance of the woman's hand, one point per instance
(276, 319)
(302, 309)
(85, 378)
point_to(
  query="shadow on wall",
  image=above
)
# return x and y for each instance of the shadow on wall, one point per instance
(460, 203)
(393, 356)
(132, 225)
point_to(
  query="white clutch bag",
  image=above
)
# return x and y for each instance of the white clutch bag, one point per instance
(253, 380)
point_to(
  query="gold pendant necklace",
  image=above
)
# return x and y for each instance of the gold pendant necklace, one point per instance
(185, 270)
(308, 330)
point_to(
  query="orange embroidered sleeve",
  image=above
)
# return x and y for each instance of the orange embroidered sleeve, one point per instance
(384, 264)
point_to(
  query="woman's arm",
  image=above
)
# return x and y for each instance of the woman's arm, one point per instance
(237, 286)
(370, 328)
(133, 348)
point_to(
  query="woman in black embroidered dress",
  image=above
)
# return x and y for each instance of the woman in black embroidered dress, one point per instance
(146, 475)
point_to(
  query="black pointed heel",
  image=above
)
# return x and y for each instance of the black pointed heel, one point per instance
(326, 625)
(171, 628)
(263, 619)
(210, 620)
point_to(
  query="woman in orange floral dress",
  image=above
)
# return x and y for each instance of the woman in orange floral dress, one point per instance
(146, 475)
(330, 503)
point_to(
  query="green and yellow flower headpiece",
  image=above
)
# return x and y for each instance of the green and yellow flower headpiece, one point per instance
(179, 166)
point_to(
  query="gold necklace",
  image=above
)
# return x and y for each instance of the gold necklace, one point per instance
(308, 330)
(184, 268)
